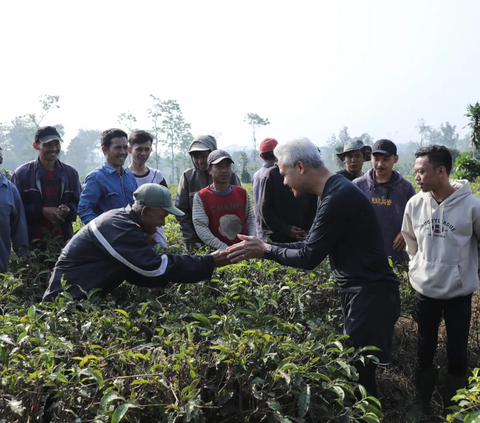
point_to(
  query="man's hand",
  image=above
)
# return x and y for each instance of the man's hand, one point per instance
(220, 258)
(63, 210)
(52, 214)
(151, 239)
(399, 243)
(250, 247)
(298, 234)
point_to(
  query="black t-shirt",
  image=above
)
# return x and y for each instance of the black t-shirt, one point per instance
(347, 174)
(345, 228)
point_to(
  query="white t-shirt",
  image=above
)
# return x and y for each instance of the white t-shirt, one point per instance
(153, 176)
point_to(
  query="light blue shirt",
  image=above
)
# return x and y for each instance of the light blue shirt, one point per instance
(105, 189)
(13, 225)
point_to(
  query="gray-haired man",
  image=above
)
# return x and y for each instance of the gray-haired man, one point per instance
(347, 230)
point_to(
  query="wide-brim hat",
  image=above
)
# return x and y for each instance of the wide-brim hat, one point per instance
(353, 146)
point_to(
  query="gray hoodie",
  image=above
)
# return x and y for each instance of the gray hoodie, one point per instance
(192, 181)
(443, 243)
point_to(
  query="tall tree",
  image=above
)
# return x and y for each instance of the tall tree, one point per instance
(473, 113)
(255, 122)
(128, 121)
(155, 114)
(425, 132)
(168, 120)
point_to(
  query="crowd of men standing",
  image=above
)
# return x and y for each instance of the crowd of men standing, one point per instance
(301, 213)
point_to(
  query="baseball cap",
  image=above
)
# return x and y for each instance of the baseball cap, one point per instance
(156, 195)
(203, 143)
(355, 145)
(47, 134)
(268, 144)
(385, 147)
(217, 156)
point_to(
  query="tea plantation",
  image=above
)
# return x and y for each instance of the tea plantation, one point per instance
(258, 343)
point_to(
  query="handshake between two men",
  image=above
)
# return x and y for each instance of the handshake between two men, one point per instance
(251, 247)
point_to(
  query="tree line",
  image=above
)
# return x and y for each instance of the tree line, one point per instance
(172, 137)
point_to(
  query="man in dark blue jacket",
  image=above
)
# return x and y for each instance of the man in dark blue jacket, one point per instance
(50, 189)
(114, 248)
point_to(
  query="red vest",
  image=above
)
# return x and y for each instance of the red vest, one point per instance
(226, 213)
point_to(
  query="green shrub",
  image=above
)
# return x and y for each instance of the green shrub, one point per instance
(466, 168)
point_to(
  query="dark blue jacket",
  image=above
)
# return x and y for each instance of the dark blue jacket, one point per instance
(27, 180)
(113, 248)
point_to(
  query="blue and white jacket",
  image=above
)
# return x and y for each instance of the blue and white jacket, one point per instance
(113, 248)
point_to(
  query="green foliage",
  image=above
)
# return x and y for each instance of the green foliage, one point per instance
(468, 401)
(473, 113)
(255, 121)
(466, 168)
(259, 342)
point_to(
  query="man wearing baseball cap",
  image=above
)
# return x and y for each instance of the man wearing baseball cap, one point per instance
(266, 153)
(50, 189)
(114, 247)
(389, 194)
(279, 215)
(354, 154)
(192, 181)
(221, 211)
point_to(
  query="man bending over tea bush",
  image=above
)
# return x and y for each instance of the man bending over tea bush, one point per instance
(345, 228)
(114, 248)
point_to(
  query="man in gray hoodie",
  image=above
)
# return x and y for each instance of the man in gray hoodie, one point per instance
(192, 181)
(441, 228)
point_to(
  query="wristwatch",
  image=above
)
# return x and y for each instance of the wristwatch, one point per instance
(268, 252)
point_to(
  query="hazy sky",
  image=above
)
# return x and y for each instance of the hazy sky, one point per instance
(310, 67)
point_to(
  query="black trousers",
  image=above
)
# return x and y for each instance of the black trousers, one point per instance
(457, 313)
(369, 320)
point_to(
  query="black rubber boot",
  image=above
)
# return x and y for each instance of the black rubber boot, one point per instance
(424, 386)
(452, 385)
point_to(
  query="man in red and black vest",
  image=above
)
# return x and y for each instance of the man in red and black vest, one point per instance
(222, 211)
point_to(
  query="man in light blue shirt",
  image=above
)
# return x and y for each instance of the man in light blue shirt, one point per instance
(13, 225)
(109, 186)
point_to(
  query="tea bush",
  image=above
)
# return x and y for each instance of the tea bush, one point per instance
(259, 342)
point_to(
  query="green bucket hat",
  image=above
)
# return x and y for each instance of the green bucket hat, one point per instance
(356, 145)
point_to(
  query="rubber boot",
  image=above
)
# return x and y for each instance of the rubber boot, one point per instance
(452, 385)
(424, 386)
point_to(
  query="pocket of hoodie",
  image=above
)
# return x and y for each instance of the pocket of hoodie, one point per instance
(441, 276)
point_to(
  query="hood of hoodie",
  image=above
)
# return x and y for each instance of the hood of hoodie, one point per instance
(208, 140)
(442, 241)
(396, 179)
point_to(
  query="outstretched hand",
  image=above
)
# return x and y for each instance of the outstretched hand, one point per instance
(220, 258)
(250, 247)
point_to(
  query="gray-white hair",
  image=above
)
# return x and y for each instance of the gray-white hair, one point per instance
(138, 206)
(299, 150)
